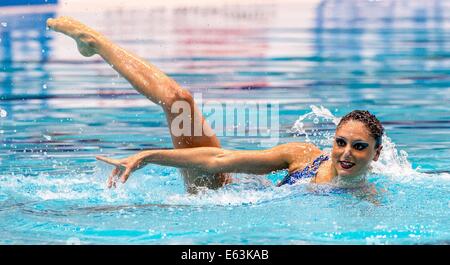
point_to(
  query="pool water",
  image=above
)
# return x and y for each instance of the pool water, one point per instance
(317, 59)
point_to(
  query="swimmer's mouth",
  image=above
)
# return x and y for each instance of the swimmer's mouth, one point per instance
(346, 164)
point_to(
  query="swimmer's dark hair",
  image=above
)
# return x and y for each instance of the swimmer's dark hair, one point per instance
(372, 123)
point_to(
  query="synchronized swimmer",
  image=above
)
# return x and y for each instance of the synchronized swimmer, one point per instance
(203, 163)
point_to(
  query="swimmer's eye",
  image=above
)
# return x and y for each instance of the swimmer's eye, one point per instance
(360, 146)
(340, 142)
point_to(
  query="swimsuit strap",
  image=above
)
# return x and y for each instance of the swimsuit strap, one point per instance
(318, 161)
(308, 172)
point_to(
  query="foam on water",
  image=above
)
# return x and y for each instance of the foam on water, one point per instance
(144, 186)
(255, 191)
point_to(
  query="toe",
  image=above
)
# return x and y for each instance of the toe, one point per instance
(50, 22)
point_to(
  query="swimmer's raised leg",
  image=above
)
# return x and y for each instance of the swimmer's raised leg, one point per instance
(147, 80)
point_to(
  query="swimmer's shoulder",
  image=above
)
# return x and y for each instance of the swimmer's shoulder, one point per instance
(299, 154)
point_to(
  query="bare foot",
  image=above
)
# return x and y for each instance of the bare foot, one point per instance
(85, 37)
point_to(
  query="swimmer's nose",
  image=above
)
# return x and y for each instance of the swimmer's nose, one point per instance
(347, 154)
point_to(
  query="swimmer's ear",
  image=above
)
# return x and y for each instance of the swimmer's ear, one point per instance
(378, 152)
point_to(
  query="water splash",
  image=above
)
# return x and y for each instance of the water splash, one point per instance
(3, 113)
(86, 190)
(394, 163)
(247, 190)
(313, 131)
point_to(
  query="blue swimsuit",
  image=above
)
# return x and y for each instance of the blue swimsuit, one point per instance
(308, 172)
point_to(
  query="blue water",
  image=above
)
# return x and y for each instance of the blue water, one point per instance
(59, 110)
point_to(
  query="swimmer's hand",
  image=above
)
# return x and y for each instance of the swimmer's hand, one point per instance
(124, 167)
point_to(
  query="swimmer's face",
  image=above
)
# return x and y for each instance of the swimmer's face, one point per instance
(353, 149)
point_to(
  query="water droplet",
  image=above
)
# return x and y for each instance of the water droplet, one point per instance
(47, 137)
(44, 86)
(3, 113)
(4, 24)
(316, 120)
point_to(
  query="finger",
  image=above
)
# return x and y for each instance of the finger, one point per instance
(111, 161)
(125, 175)
(114, 176)
(112, 179)
(118, 176)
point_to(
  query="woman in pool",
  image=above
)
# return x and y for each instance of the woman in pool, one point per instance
(202, 161)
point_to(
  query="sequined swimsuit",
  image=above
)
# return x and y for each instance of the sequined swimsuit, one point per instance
(309, 171)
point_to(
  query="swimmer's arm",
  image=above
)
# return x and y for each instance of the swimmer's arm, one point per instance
(216, 160)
